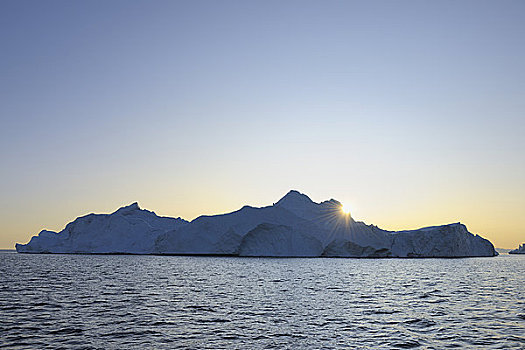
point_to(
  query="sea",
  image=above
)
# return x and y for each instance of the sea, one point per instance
(52, 301)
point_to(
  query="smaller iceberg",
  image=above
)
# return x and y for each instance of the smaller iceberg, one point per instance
(520, 250)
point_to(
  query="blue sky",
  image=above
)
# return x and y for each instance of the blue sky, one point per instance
(410, 111)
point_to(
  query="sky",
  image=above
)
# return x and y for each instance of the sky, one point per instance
(411, 113)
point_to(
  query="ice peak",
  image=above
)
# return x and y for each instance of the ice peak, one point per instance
(332, 203)
(128, 209)
(294, 198)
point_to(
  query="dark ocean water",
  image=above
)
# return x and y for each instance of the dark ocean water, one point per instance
(169, 302)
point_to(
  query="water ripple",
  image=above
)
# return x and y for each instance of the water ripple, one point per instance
(168, 302)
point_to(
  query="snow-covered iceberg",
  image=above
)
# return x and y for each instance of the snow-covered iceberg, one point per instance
(294, 226)
(520, 250)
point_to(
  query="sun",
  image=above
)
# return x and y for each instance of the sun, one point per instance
(345, 209)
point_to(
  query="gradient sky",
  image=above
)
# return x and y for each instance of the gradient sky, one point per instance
(412, 113)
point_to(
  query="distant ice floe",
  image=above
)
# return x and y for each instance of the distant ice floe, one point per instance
(295, 226)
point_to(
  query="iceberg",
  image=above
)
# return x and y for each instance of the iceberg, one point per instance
(519, 250)
(295, 226)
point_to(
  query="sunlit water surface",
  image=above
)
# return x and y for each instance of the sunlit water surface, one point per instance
(124, 301)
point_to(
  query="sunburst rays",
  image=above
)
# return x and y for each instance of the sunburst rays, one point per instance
(333, 217)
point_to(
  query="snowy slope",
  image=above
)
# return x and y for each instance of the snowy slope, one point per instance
(222, 234)
(294, 226)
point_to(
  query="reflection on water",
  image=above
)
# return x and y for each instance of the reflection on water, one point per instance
(103, 301)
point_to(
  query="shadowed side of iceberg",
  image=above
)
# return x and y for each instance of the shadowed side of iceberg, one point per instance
(279, 241)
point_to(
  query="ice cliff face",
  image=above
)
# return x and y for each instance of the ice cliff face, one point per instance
(294, 226)
(452, 240)
(520, 250)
